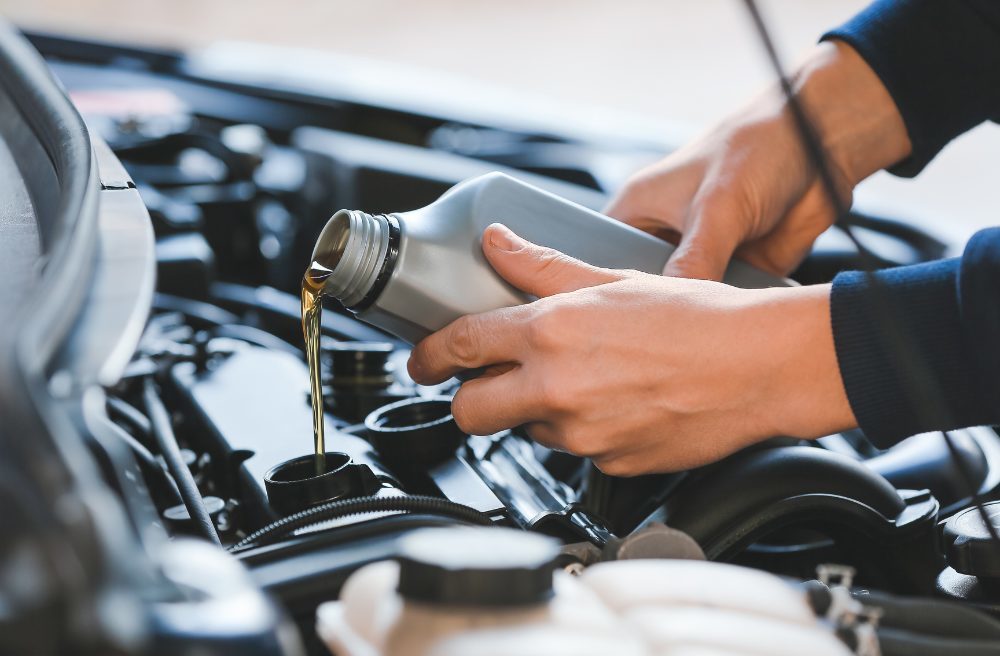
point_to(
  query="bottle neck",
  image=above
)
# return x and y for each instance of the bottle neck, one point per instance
(360, 249)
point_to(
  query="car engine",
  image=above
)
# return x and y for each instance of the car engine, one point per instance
(238, 179)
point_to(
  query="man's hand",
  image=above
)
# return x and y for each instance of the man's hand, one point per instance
(639, 372)
(747, 186)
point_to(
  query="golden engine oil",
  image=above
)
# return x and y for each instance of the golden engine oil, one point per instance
(312, 315)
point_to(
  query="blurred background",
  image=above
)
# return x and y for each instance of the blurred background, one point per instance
(670, 66)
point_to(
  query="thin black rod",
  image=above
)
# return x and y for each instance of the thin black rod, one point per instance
(159, 420)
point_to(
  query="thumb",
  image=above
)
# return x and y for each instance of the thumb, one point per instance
(538, 270)
(704, 250)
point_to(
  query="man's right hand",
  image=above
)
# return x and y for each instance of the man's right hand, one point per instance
(747, 187)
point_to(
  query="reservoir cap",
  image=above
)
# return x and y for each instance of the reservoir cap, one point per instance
(969, 547)
(416, 432)
(466, 566)
(360, 363)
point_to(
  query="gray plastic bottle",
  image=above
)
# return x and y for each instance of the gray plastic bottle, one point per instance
(413, 273)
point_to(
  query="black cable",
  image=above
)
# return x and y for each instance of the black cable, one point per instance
(130, 415)
(925, 245)
(202, 314)
(930, 618)
(359, 506)
(896, 642)
(149, 462)
(946, 619)
(171, 452)
(257, 337)
(928, 406)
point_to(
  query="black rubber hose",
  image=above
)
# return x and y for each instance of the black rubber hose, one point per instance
(894, 642)
(130, 415)
(932, 617)
(257, 337)
(203, 315)
(149, 463)
(164, 433)
(360, 506)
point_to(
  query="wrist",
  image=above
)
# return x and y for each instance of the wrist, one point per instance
(856, 118)
(801, 392)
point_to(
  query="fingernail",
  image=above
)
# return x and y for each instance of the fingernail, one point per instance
(502, 238)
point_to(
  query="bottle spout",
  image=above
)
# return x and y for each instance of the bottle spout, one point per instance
(332, 242)
(355, 247)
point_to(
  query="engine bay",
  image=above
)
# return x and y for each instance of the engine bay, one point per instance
(238, 182)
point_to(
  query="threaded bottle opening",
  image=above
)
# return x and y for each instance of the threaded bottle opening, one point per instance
(354, 246)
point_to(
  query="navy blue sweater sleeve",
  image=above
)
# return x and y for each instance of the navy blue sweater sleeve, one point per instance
(940, 62)
(951, 312)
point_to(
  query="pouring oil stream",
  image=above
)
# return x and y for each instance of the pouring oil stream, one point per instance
(312, 314)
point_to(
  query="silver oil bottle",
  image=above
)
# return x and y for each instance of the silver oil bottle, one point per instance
(413, 273)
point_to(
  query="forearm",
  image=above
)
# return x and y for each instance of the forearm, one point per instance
(824, 358)
(860, 127)
(949, 315)
(858, 124)
(799, 387)
(940, 62)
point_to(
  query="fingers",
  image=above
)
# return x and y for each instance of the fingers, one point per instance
(538, 270)
(708, 244)
(658, 196)
(470, 342)
(697, 254)
(499, 337)
(635, 203)
(484, 406)
(632, 206)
